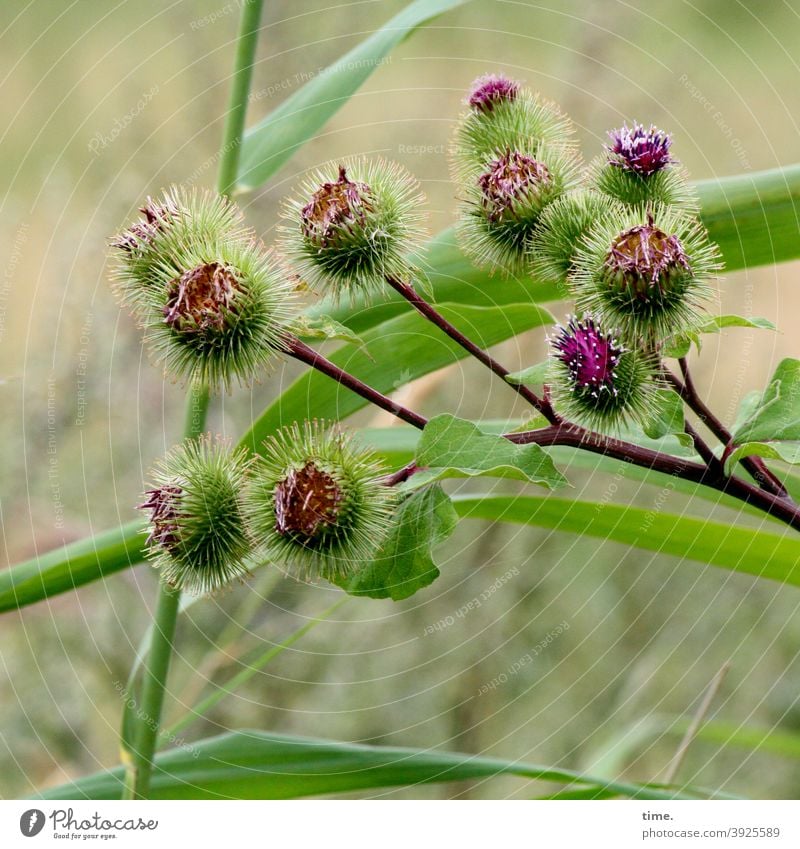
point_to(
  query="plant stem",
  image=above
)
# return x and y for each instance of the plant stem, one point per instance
(435, 317)
(156, 667)
(157, 664)
(754, 466)
(240, 89)
(305, 354)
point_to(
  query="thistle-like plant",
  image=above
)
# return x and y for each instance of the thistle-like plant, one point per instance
(352, 225)
(596, 381)
(645, 271)
(638, 169)
(561, 230)
(198, 538)
(317, 501)
(503, 115)
(503, 204)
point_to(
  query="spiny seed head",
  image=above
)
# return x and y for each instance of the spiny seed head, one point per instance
(511, 180)
(352, 226)
(645, 272)
(316, 501)
(218, 310)
(503, 203)
(596, 381)
(643, 261)
(198, 537)
(491, 89)
(642, 151)
(560, 230)
(176, 217)
(334, 208)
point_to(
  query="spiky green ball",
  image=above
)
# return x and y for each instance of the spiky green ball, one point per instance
(217, 310)
(316, 501)
(198, 537)
(668, 186)
(560, 229)
(352, 225)
(597, 382)
(501, 205)
(522, 123)
(177, 216)
(645, 271)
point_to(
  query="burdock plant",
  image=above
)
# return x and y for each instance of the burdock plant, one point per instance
(352, 225)
(318, 502)
(218, 308)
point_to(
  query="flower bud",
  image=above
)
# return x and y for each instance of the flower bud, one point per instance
(638, 169)
(645, 272)
(490, 90)
(502, 116)
(197, 533)
(350, 229)
(596, 381)
(503, 204)
(317, 503)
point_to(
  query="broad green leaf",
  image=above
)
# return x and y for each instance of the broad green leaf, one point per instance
(777, 416)
(788, 452)
(72, 566)
(752, 552)
(532, 376)
(451, 277)
(405, 563)
(322, 327)
(454, 448)
(753, 217)
(394, 353)
(668, 418)
(256, 765)
(272, 142)
(680, 345)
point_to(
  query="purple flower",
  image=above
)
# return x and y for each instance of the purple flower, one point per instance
(512, 177)
(590, 355)
(645, 257)
(491, 89)
(332, 206)
(639, 150)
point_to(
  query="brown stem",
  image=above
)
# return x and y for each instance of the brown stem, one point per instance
(754, 466)
(300, 351)
(435, 317)
(571, 436)
(781, 508)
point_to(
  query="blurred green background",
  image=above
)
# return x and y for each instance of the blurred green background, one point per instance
(104, 103)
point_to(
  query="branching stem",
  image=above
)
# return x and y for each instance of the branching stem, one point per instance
(435, 317)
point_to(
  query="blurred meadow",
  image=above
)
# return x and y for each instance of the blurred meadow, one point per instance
(105, 103)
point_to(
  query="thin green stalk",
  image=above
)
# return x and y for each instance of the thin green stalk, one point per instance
(240, 90)
(158, 659)
(156, 668)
